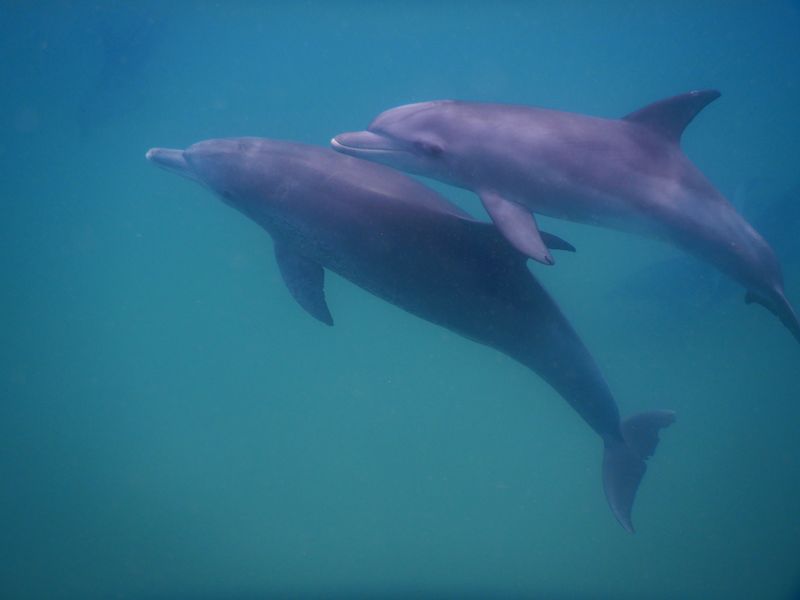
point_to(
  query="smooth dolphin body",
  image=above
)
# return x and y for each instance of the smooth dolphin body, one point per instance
(404, 243)
(627, 174)
(688, 287)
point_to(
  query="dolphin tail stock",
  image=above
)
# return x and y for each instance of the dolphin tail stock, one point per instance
(624, 460)
(779, 306)
(787, 316)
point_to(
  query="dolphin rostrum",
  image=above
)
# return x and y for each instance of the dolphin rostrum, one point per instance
(402, 242)
(628, 174)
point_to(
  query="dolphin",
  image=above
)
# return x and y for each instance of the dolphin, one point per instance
(404, 243)
(628, 174)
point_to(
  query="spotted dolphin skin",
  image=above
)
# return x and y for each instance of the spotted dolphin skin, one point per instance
(628, 174)
(402, 242)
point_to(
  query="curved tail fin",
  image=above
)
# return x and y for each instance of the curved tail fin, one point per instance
(624, 461)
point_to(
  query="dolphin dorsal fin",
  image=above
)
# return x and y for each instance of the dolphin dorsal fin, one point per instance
(670, 117)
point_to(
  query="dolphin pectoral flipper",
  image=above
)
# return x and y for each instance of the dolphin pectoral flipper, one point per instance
(306, 282)
(517, 225)
(624, 460)
(556, 243)
(552, 241)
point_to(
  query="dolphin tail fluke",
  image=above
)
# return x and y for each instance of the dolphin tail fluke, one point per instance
(624, 460)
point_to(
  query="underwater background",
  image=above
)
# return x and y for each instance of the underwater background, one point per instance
(173, 425)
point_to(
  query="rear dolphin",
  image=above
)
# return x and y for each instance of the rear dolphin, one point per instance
(402, 242)
(628, 174)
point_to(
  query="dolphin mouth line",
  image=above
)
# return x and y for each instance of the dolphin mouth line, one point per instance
(336, 144)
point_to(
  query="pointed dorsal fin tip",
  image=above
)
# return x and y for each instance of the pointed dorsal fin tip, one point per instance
(671, 116)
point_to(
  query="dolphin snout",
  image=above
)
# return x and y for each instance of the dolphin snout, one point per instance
(171, 160)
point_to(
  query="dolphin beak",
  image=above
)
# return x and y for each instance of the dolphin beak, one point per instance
(171, 160)
(361, 143)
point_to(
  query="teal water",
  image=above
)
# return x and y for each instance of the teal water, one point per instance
(172, 425)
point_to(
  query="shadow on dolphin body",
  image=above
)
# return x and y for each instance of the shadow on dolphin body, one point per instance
(628, 174)
(404, 243)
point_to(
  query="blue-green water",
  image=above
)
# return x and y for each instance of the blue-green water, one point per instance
(172, 425)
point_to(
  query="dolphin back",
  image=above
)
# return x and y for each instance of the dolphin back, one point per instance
(385, 183)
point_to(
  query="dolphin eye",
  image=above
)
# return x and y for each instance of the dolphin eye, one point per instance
(430, 148)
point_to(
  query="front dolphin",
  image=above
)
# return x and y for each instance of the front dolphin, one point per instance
(627, 174)
(404, 243)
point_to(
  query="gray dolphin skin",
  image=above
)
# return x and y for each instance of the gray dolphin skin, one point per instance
(627, 174)
(402, 242)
